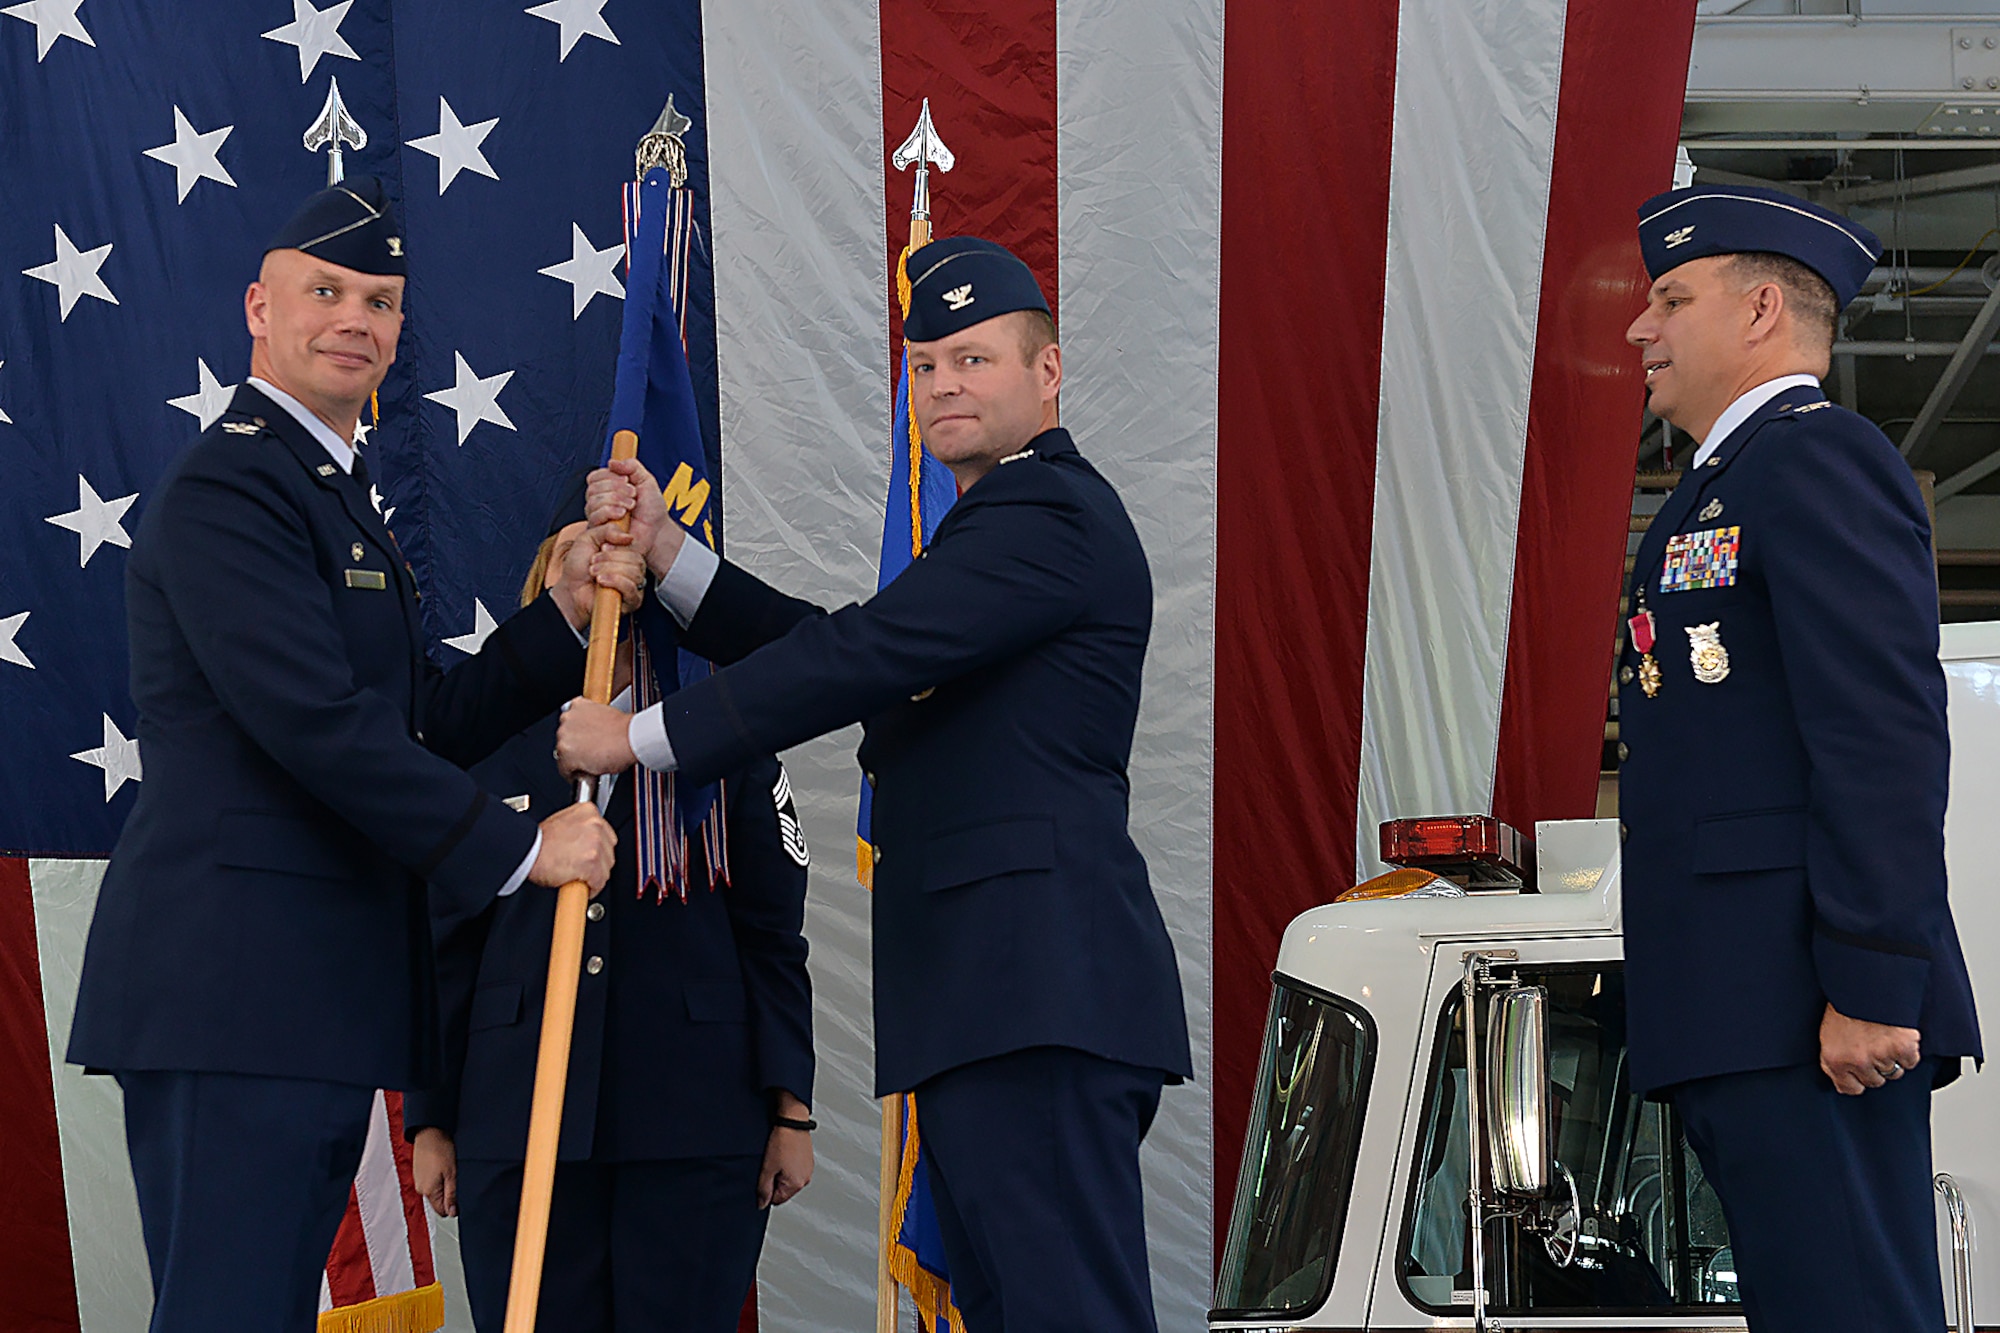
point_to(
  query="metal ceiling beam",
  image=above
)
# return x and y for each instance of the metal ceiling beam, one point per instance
(1957, 371)
(1810, 57)
(1913, 187)
(1958, 481)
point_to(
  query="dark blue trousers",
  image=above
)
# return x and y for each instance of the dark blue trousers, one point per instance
(1034, 1164)
(1828, 1198)
(242, 1182)
(634, 1247)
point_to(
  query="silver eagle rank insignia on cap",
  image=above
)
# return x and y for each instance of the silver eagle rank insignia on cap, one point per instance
(958, 298)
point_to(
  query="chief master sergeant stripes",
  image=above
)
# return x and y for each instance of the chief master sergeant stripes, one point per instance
(260, 958)
(1025, 986)
(1796, 985)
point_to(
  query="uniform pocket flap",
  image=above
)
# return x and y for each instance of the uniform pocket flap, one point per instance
(715, 1002)
(259, 840)
(1754, 840)
(495, 1006)
(999, 848)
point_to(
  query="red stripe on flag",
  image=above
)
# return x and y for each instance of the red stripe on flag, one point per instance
(423, 1270)
(350, 1274)
(37, 1281)
(1618, 120)
(989, 69)
(1305, 219)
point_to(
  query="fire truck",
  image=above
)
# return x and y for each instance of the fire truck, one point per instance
(1389, 1182)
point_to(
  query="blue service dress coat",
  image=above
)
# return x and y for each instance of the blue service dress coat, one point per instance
(694, 1015)
(998, 678)
(265, 910)
(1783, 790)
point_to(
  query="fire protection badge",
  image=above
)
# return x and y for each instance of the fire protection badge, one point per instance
(1701, 560)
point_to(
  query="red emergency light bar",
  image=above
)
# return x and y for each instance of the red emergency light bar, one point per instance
(1477, 849)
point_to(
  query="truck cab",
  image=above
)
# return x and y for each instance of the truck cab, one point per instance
(1355, 1207)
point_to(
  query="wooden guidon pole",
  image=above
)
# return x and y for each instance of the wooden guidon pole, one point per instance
(538, 1176)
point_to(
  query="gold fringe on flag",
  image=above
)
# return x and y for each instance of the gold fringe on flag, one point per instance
(419, 1311)
(931, 1293)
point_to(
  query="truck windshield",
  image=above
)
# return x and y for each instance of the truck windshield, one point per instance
(1298, 1157)
(1650, 1230)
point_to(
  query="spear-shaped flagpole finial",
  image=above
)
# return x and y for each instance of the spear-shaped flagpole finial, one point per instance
(925, 149)
(334, 128)
(664, 146)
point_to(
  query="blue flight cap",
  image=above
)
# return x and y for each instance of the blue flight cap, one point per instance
(962, 280)
(1705, 220)
(349, 224)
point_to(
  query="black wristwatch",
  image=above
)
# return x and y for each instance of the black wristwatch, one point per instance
(789, 1122)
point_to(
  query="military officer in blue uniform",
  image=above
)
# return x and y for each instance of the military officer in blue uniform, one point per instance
(1025, 986)
(1796, 985)
(260, 958)
(686, 1111)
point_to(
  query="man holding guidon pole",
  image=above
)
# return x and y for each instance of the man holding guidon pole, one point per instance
(260, 960)
(1025, 986)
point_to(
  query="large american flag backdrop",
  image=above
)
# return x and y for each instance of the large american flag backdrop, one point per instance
(1340, 285)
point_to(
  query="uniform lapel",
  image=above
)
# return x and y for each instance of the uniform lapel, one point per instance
(313, 458)
(1696, 481)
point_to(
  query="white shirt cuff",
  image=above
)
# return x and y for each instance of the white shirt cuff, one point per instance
(648, 735)
(686, 582)
(520, 875)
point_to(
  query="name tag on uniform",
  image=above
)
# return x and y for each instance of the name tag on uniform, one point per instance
(1701, 560)
(368, 578)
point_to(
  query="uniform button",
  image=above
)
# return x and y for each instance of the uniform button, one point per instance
(1624, 675)
(1624, 752)
(878, 855)
(1621, 830)
(595, 912)
(870, 777)
(420, 738)
(593, 965)
(1714, 462)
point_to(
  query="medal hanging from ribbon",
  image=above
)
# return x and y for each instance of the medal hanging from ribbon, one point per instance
(1641, 626)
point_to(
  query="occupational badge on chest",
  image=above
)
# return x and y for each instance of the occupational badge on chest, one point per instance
(1706, 654)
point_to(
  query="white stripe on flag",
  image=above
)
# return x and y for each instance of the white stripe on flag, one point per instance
(1470, 165)
(379, 1193)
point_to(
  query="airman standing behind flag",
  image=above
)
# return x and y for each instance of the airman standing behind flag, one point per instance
(1025, 986)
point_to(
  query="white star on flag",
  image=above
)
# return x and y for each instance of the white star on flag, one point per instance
(192, 155)
(316, 32)
(578, 19)
(588, 270)
(118, 757)
(9, 650)
(375, 498)
(456, 146)
(53, 20)
(5, 420)
(96, 522)
(210, 398)
(73, 272)
(483, 624)
(474, 399)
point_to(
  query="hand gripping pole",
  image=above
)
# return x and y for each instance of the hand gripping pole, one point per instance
(538, 1176)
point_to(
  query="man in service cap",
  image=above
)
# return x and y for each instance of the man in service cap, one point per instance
(1795, 984)
(1025, 987)
(260, 959)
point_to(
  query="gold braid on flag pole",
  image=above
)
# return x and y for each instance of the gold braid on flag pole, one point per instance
(910, 396)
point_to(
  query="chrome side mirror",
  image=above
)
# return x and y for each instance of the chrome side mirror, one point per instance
(1518, 1122)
